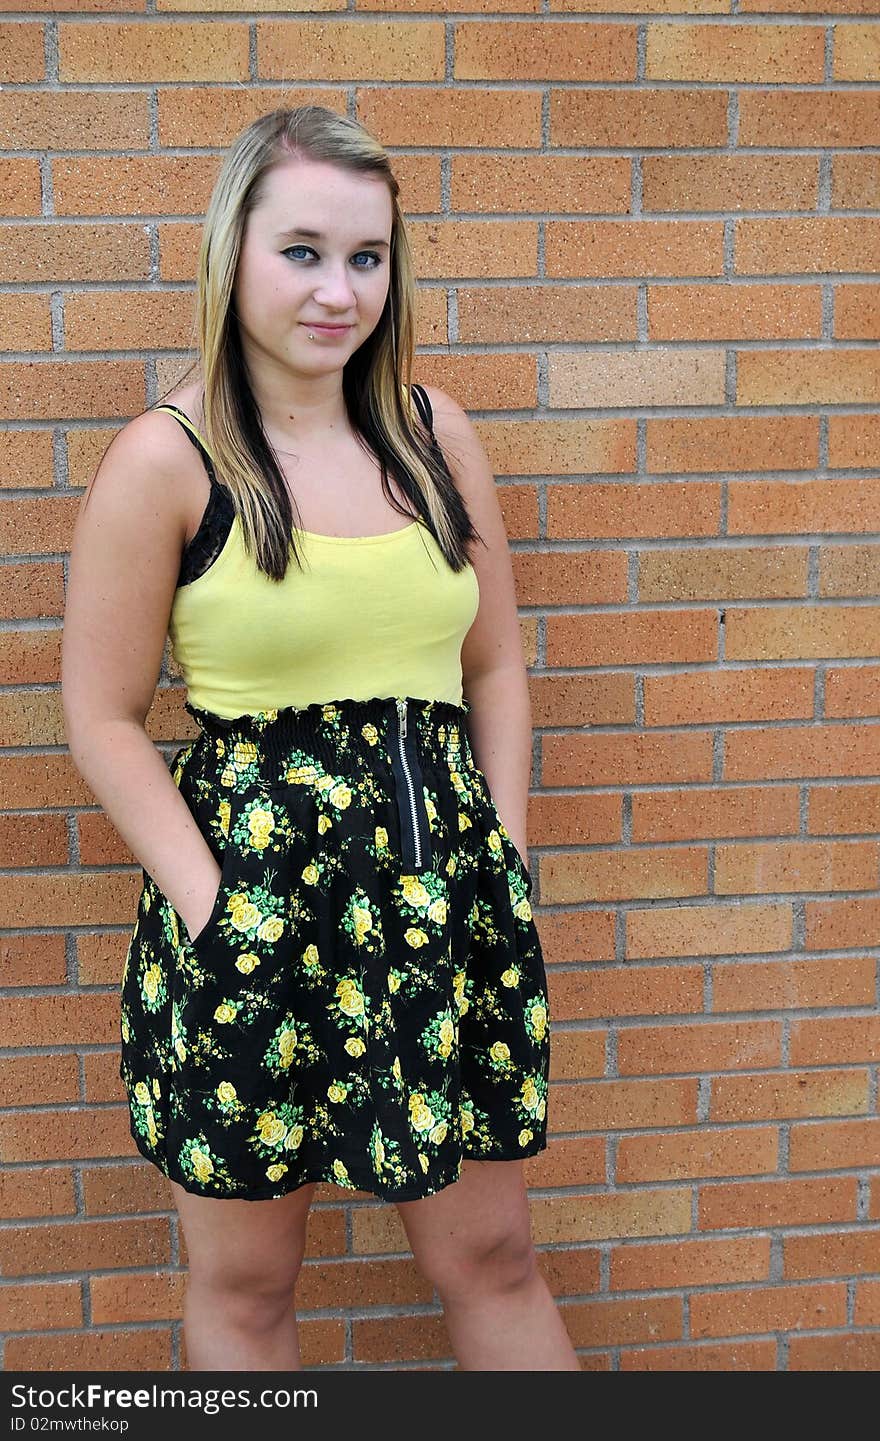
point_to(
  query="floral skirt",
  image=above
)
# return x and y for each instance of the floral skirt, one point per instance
(367, 1002)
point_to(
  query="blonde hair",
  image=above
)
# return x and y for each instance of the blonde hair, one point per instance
(377, 382)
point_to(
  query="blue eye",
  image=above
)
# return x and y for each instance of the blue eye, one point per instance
(371, 253)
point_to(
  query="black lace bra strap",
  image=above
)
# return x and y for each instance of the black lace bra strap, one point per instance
(204, 547)
(186, 425)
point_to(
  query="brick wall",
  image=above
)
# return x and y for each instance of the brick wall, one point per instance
(648, 253)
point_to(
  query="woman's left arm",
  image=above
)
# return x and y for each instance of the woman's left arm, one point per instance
(494, 677)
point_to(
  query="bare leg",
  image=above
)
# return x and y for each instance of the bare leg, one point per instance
(473, 1240)
(244, 1258)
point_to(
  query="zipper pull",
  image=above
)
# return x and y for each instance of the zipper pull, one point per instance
(401, 715)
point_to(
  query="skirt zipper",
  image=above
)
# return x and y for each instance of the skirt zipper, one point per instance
(409, 788)
(401, 743)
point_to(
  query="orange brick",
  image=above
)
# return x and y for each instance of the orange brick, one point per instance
(577, 936)
(546, 312)
(855, 315)
(137, 1296)
(835, 1353)
(565, 700)
(67, 1135)
(849, 570)
(21, 53)
(796, 866)
(59, 1020)
(459, 118)
(568, 1161)
(763, 247)
(848, 1253)
(69, 1246)
(785, 985)
(699, 1046)
(851, 690)
(867, 1312)
(770, 1308)
(825, 750)
(678, 815)
(578, 1054)
(629, 248)
(840, 1040)
(543, 50)
(728, 695)
(26, 323)
(622, 1105)
(689, 1263)
(626, 759)
(146, 1349)
(129, 1187)
(789, 1093)
(837, 924)
(635, 637)
(834, 1145)
(620, 1323)
(537, 182)
(401, 1338)
(807, 118)
(627, 990)
(694, 443)
(631, 509)
(855, 52)
(338, 50)
(623, 874)
(570, 1273)
(598, 1217)
(37, 1191)
(719, 573)
(731, 183)
(682, 1155)
(740, 1356)
(33, 960)
(844, 809)
(162, 50)
(786, 632)
(53, 1306)
(570, 578)
(729, 1205)
(743, 52)
(640, 378)
(641, 118)
(708, 930)
(39, 1078)
(803, 507)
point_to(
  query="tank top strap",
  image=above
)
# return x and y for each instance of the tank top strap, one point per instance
(194, 436)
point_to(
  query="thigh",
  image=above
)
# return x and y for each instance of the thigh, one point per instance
(251, 1244)
(486, 1212)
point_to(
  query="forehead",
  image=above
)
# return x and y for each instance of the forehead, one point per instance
(326, 198)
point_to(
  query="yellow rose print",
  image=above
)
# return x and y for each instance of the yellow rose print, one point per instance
(141, 1093)
(246, 963)
(355, 1046)
(525, 1136)
(510, 977)
(370, 734)
(340, 797)
(202, 1165)
(310, 875)
(415, 937)
(271, 930)
(324, 824)
(414, 893)
(499, 1051)
(274, 1173)
(224, 1013)
(381, 837)
(244, 753)
(224, 811)
(310, 956)
(437, 912)
(271, 1128)
(246, 917)
(227, 1093)
(293, 1139)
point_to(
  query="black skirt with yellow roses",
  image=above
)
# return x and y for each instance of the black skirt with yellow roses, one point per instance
(367, 1003)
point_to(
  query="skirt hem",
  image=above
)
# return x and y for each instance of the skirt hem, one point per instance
(276, 1194)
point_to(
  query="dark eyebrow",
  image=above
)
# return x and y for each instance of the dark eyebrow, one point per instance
(317, 235)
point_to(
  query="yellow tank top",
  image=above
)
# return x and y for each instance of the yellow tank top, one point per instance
(377, 615)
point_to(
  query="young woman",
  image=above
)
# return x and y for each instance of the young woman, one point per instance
(334, 974)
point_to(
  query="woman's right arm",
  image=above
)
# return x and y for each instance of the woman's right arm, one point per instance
(124, 564)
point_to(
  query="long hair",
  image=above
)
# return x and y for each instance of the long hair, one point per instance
(376, 381)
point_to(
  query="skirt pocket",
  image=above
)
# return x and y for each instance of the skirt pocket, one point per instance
(202, 941)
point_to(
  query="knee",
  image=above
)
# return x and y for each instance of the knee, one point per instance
(251, 1296)
(502, 1262)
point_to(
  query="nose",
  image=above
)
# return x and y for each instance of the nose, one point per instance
(336, 289)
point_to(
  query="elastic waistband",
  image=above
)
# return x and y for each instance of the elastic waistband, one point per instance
(329, 730)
